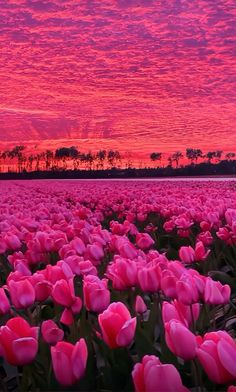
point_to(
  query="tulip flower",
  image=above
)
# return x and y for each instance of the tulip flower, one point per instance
(144, 241)
(200, 252)
(51, 332)
(180, 340)
(63, 292)
(69, 361)
(18, 342)
(152, 376)
(217, 355)
(187, 254)
(149, 277)
(178, 311)
(22, 293)
(215, 293)
(4, 302)
(96, 294)
(117, 326)
(140, 306)
(123, 273)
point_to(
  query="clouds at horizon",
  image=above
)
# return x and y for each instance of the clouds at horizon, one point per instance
(134, 74)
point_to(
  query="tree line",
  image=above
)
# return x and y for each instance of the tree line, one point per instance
(70, 158)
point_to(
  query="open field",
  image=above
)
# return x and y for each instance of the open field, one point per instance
(118, 285)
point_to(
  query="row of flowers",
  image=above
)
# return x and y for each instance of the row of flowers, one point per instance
(130, 289)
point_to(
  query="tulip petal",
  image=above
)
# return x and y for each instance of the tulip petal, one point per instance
(126, 333)
(227, 355)
(25, 350)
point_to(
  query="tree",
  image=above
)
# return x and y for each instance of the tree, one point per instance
(176, 157)
(214, 154)
(113, 158)
(218, 155)
(101, 156)
(17, 152)
(230, 155)
(156, 156)
(65, 154)
(193, 154)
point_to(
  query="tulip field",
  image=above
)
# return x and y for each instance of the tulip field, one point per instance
(118, 286)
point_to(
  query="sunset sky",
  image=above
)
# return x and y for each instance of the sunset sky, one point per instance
(136, 75)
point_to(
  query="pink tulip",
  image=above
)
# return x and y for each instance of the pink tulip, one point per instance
(69, 361)
(4, 302)
(187, 290)
(118, 328)
(217, 355)
(149, 277)
(187, 254)
(200, 252)
(96, 294)
(12, 242)
(95, 252)
(152, 376)
(67, 317)
(123, 273)
(127, 250)
(63, 292)
(22, 293)
(215, 293)
(78, 245)
(51, 333)
(42, 287)
(140, 306)
(169, 226)
(18, 342)
(144, 241)
(180, 340)
(206, 238)
(178, 311)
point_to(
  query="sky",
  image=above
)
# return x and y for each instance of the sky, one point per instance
(133, 75)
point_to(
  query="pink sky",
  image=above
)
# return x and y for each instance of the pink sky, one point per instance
(135, 75)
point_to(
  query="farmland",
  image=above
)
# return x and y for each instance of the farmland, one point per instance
(118, 285)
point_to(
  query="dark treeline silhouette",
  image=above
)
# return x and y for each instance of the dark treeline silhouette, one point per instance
(69, 162)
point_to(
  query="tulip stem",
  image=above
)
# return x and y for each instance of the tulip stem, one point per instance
(49, 374)
(197, 376)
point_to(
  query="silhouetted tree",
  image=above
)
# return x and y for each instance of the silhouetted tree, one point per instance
(176, 157)
(101, 156)
(230, 155)
(17, 153)
(65, 154)
(193, 154)
(156, 156)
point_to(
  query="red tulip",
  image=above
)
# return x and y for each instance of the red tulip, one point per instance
(217, 355)
(69, 361)
(152, 376)
(18, 341)
(118, 328)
